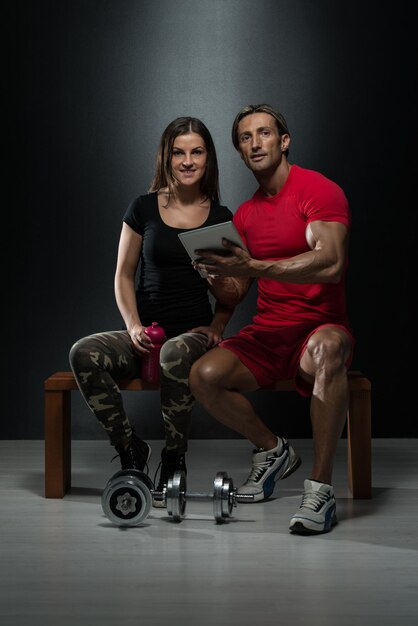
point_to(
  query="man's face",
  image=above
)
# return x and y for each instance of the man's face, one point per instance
(260, 144)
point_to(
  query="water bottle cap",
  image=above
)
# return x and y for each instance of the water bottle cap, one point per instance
(155, 332)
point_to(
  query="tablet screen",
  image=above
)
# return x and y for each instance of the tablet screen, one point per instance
(210, 237)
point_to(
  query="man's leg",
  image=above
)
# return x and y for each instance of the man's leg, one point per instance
(216, 381)
(323, 364)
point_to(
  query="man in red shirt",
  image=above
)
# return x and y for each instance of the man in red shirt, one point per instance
(296, 229)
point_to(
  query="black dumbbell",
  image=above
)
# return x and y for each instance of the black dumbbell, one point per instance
(127, 499)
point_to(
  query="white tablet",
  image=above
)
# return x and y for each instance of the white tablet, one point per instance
(210, 238)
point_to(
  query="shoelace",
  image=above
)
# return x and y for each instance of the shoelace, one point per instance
(146, 467)
(132, 456)
(258, 469)
(314, 500)
(171, 471)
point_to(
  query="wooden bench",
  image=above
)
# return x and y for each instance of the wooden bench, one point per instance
(59, 386)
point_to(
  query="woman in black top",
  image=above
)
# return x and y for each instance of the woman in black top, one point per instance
(184, 195)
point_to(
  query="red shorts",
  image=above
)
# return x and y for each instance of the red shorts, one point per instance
(273, 354)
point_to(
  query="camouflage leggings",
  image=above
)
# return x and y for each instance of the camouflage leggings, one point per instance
(100, 359)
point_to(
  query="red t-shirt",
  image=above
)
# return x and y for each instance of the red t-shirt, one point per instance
(274, 228)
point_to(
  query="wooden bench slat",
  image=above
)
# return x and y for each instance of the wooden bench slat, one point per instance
(65, 381)
(58, 388)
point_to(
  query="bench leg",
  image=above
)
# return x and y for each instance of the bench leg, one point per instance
(57, 443)
(360, 444)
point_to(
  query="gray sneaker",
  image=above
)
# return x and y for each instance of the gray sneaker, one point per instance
(317, 513)
(269, 466)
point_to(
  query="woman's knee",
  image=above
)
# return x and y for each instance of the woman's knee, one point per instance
(76, 354)
(185, 349)
(84, 354)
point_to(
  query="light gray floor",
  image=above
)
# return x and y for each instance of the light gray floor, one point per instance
(63, 563)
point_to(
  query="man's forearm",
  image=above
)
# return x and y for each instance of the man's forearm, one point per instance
(309, 267)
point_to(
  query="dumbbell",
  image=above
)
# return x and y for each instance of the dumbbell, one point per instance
(127, 497)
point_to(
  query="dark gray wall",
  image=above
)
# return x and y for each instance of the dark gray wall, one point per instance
(93, 84)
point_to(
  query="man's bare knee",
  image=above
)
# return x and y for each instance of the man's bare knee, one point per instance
(327, 352)
(204, 375)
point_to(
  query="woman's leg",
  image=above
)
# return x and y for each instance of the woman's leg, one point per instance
(97, 361)
(177, 357)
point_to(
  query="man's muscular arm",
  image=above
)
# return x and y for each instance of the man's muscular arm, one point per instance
(324, 262)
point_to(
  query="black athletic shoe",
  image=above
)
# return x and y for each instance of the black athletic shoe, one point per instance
(136, 455)
(171, 461)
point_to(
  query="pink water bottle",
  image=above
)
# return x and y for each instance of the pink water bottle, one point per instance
(150, 371)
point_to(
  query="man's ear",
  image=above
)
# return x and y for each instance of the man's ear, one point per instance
(285, 139)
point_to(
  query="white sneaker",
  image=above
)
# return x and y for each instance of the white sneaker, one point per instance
(317, 513)
(269, 466)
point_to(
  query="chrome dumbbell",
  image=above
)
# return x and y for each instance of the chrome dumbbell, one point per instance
(127, 497)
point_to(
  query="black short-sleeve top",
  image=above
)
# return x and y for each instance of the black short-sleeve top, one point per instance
(169, 291)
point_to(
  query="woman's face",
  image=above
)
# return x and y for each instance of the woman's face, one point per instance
(188, 159)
